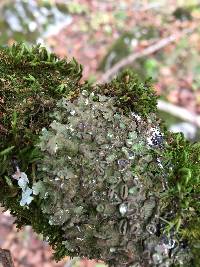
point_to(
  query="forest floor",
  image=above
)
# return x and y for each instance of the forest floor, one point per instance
(94, 27)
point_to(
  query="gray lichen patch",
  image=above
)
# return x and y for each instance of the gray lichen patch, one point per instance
(100, 190)
(106, 180)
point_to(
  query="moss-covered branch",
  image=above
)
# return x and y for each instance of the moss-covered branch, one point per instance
(92, 168)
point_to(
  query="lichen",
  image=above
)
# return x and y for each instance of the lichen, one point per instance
(92, 168)
(31, 81)
(23, 182)
(132, 94)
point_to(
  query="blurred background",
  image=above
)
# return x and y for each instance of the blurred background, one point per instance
(99, 34)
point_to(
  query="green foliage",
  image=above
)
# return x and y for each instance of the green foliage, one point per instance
(77, 8)
(185, 12)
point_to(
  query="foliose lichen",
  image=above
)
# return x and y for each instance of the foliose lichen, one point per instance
(95, 170)
(98, 174)
(31, 81)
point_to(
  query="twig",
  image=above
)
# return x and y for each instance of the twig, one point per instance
(145, 52)
(5, 258)
(162, 105)
(149, 6)
(179, 112)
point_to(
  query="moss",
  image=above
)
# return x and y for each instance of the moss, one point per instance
(132, 94)
(183, 164)
(34, 217)
(32, 80)
(97, 152)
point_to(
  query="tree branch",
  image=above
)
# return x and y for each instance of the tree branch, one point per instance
(179, 112)
(162, 105)
(145, 52)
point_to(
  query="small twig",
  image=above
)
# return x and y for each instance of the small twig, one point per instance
(179, 112)
(162, 105)
(145, 52)
(149, 6)
(5, 258)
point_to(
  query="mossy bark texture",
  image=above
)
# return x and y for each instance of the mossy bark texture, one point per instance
(92, 168)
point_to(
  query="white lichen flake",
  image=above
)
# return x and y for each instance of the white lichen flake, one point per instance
(23, 184)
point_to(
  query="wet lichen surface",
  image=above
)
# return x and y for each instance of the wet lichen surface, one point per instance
(96, 172)
(104, 200)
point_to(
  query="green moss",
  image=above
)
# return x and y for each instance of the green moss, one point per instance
(183, 164)
(95, 131)
(131, 93)
(39, 222)
(31, 82)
